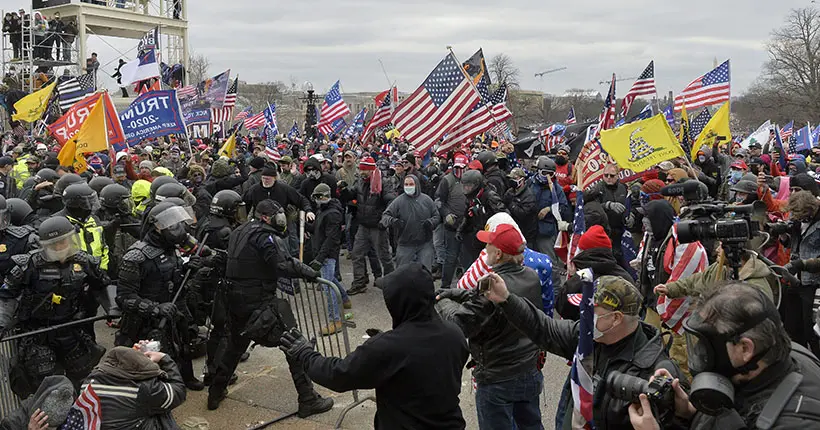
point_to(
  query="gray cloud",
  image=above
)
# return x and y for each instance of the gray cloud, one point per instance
(325, 40)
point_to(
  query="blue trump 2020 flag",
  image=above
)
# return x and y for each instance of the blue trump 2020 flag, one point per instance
(153, 114)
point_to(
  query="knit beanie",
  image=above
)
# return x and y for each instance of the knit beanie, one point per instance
(653, 186)
(595, 237)
(257, 162)
(677, 173)
(146, 164)
(367, 163)
(221, 168)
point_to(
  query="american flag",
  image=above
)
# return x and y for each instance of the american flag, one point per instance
(270, 119)
(680, 260)
(74, 90)
(357, 125)
(442, 100)
(270, 144)
(224, 114)
(607, 118)
(244, 114)
(552, 136)
(294, 135)
(699, 123)
(571, 116)
(644, 86)
(333, 108)
(85, 413)
(710, 89)
(580, 375)
(255, 121)
(186, 92)
(778, 142)
(578, 229)
(382, 117)
(787, 131)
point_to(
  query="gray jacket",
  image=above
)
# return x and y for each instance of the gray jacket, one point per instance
(414, 217)
(806, 246)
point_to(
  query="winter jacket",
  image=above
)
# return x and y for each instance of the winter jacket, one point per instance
(369, 207)
(54, 397)
(500, 350)
(280, 193)
(521, 205)
(712, 171)
(805, 246)
(498, 179)
(548, 226)
(327, 231)
(214, 185)
(253, 179)
(661, 217)
(414, 217)
(754, 272)
(639, 354)
(602, 262)
(603, 193)
(450, 200)
(135, 392)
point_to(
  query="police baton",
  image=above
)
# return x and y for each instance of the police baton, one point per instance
(164, 320)
(56, 327)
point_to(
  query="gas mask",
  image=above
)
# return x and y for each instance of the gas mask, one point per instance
(279, 222)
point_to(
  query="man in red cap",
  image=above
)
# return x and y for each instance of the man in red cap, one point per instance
(507, 374)
(737, 169)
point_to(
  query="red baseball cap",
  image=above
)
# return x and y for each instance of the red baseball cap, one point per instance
(740, 164)
(505, 237)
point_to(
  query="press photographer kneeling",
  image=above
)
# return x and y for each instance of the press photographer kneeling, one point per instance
(747, 373)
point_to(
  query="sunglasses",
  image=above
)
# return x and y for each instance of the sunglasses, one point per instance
(610, 175)
(545, 173)
(670, 180)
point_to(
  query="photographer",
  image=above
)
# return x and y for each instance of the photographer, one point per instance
(747, 373)
(622, 342)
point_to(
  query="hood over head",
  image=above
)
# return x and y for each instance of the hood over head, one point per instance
(661, 216)
(409, 294)
(806, 182)
(415, 181)
(313, 164)
(54, 396)
(800, 165)
(129, 363)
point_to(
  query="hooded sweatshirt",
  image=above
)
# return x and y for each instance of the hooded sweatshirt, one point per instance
(410, 392)
(602, 262)
(409, 213)
(661, 216)
(54, 397)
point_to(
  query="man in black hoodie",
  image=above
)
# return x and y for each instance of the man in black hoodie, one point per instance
(314, 177)
(418, 363)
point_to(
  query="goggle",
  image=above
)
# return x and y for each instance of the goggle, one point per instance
(545, 172)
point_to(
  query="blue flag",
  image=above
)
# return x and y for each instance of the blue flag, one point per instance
(669, 113)
(779, 144)
(815, 136)
(153, 114)
(357, 126)
(270, 119)
(802, 139)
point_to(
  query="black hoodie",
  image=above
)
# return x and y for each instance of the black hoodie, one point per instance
(661, 217)
(415, 368)
(602, 262)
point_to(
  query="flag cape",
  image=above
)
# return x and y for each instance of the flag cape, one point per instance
(716, 130)
(641, 144)
(31, 107)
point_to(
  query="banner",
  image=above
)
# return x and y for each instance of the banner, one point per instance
(641, 144)
(759, 136)
(67, 126)
(208, 94)
(149, 42)
(31, 107)
(153, 114)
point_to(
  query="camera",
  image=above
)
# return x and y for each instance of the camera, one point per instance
(778, 228)
(731, 224)
(659, 391)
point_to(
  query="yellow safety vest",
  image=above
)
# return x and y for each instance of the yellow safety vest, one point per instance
(20, 170)
(91, 238)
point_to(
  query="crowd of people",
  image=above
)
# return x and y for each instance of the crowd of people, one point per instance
(469, 249)
(53, 36)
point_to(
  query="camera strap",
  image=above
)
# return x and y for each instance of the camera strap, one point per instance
(778, 401)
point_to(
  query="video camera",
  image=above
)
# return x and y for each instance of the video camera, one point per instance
(780, 227)
(659, 391)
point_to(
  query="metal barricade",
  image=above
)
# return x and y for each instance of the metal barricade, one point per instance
(8, 400)
(309, 302)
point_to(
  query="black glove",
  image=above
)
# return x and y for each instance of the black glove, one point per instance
(455, 294)
(459, 236)
(316, 265)
(427, 224)
(294, 344)
(306, 271)
(373, 331)
(399, 224)
(616, 207)
(195, 262)
(794, 267)
(219, 259)
(167, 310)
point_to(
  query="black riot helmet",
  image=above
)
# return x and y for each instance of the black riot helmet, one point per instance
(116, 199)
(58, 239)
(158, 182)
(487, 159)
(19, 209)
(472, 181)
(46, 175)
(174, 189)
(545, 163)
(276, 217)
(170, 221)
(97, 183)
(228, 204)
(5, 214)
(65, 181)
(80, 201)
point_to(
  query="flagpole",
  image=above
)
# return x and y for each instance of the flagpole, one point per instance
(385, 75)
(472, 84)
(105, 128)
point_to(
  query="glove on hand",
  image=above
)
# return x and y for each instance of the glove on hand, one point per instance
(455, 294)
(316, 265)
(616, 207)
(167, 310)
(294, 344)
(450, 219)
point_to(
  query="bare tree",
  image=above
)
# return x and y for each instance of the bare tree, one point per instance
(198, 69)
(503, 69)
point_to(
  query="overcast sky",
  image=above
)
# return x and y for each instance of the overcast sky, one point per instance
(326, 40)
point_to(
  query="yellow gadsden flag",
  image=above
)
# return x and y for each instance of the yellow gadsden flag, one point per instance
(717, 129)
(91, 137)
(641, 144)
(229, 147)
(31, 107)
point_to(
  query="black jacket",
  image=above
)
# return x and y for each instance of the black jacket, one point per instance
(639, 354)
(498, 179)
(327, 231)
(602, 262)
(501, 351)
(280, 192)
(603, 193)
(521, 205)
(415, 368)
(369, 206)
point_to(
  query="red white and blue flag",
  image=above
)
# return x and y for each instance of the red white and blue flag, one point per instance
(85, 413)
(787, 131)
(383, 115)
(255, 121)
(571, 116)
(581, 373)
(223, 114)
(607, 118)
(710, 89)
(333, 108)
(294, 135)
(680, 260)
(241, 116)
(270, 119)
(578, 229)
(644, 86)
(357, 126)
(552, 136)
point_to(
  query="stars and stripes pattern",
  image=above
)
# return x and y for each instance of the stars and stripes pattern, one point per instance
(552, 136)
(571, 116)
(778, 142)
(382, 117)
(644, 86)
(607, 118)
(357, 126)
(241, 116)
(85, 412)
(270, 144)
(186, 92)
(483, 117)
(333, 108)
(787, 131)
(580, 374)
(224, 114)
(680, 260)
(74, 90)
(710, 89)
(255, 121)
(578, 229)
(294, 135)
(270, 119)
(440, 103)
(699, 123)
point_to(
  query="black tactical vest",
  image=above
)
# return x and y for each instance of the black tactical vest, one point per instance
(244, 259)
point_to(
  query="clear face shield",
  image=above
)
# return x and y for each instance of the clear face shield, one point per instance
(241, 214)
(62, 247)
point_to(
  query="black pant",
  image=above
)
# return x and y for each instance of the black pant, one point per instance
(798, 316)
(16, 43)
(238, 344)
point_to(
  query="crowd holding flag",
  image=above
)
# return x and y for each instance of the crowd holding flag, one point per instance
(294, 135)
(642, 144)
(716, 130)
(357, 126)
(333, 108)
(713, 88)
(644, 86)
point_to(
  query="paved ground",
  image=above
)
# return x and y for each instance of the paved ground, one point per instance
(265, 391)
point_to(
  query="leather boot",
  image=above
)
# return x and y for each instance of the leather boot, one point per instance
(315, 406)
(186, 369)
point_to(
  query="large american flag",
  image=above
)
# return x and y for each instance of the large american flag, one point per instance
(382, 117)
(74, 90)
(571, 116)
(85, 413)
(578, 229)
(442, 100)
(607, 118)
(223, 114)
(333, 108)
(699, 123)
(552, 136)
(710, 89)
(644, 86)
(241, 116)
(255, 121)
(680, 260)
(581, 372)
(483, 117)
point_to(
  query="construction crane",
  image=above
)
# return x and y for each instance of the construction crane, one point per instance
(609, 81)
(546, 72)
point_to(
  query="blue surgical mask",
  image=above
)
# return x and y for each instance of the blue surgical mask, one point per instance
(736, 175)
(410, 191)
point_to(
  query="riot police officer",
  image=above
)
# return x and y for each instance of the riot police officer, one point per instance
(80, 202)
(14, 240)
(149, 276)
(47, 286)
(22, 214)
(253, 269)
(121, 228)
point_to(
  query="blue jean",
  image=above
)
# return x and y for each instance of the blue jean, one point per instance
(333, 308)
(511, 404)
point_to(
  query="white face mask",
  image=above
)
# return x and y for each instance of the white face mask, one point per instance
(410, 191)
(597, 334)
